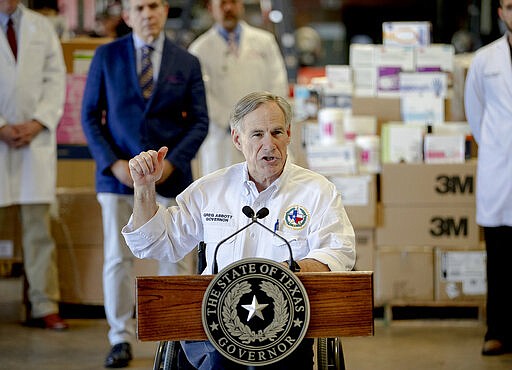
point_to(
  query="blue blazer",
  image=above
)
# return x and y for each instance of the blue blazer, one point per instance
(118, 123)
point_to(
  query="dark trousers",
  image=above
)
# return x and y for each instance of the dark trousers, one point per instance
(203, 356)
(498, 241)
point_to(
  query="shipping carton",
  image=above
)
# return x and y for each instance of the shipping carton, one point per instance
(365, 249)
(76, 173)
(460, 275)
(404, 274)
(78, 232)
(423, 184)
(444, 226)
(359, 194)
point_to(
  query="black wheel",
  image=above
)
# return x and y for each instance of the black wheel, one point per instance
(322, 354)
(157, 364)
(170, 355)
(166, 357)
(335, 350)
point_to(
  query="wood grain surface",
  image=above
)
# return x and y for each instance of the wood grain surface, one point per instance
(169, 307)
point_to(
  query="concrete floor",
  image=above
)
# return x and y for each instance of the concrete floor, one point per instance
(396, 345)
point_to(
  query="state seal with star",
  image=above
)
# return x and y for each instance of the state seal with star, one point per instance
(255, 312)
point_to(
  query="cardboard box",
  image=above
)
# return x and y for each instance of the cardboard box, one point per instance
(460, 275)
(386, 109)
(10, 234)
(362, 55)
(404, 274)
(365, 250)
(365, 81)
(78, 232)
(76, 173)
(70, 47)
(332, 159)
(80, 273)
(444, 226)
(77, 220)
(443, 149)
(406, 34)
(402, 143)
(395, 56)
(428, 184)
(359, 194)
(460, 71)
(435, 57)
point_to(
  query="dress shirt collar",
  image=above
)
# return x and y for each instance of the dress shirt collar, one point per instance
(16, 18)
(251, 186)
(157, 45)
(225, 34)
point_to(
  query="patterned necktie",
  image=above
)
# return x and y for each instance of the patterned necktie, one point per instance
(11, 37)
(146, 72)
(232, 45)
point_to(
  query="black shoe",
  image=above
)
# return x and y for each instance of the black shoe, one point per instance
(119, 356)
(493, 347)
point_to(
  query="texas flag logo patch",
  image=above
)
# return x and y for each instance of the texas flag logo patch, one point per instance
(296, 217)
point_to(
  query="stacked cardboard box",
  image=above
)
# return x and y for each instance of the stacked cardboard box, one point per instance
(10, 240)
(425, 210)
(77, 230)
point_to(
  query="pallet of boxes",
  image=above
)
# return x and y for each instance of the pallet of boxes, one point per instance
(382, 129)
(329, 139)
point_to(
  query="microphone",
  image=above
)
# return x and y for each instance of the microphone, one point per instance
(248, 211)
(262, 213)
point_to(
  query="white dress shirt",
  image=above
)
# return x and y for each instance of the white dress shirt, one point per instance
(305, 208)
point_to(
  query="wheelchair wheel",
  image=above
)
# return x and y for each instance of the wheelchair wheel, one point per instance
(166, 357)
(329, 354)
(322, 362)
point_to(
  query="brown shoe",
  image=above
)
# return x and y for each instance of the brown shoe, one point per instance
(493, 347)
(54, 322)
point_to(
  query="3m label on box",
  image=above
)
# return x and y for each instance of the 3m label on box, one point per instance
(435, 226)
(428, 184)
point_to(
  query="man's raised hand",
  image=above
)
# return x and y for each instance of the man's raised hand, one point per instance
(146, 168)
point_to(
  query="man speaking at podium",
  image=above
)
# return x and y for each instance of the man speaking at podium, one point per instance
(303, 207)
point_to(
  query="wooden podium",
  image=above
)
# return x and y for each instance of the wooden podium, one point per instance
(169, 307)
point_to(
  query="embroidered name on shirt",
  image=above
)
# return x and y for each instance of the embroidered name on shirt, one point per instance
(216, 217)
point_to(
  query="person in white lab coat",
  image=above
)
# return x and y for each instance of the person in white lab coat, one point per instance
(236, 59)
(32, 93)
(488, 103)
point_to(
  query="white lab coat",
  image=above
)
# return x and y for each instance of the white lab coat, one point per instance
(33, 88)
(488, 103)
(258, 66)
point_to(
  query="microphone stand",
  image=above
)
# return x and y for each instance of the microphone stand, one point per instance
(291, 263)
(215, 268)
(248, 211)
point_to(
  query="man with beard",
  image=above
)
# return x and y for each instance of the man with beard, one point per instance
(236, 59)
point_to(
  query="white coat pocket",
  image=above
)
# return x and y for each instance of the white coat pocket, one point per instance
(213, 235)
(298, 244)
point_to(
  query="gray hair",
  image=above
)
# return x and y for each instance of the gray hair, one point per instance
(126, 3)
(252, 101)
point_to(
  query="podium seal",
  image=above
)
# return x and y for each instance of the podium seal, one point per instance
(255, 312)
